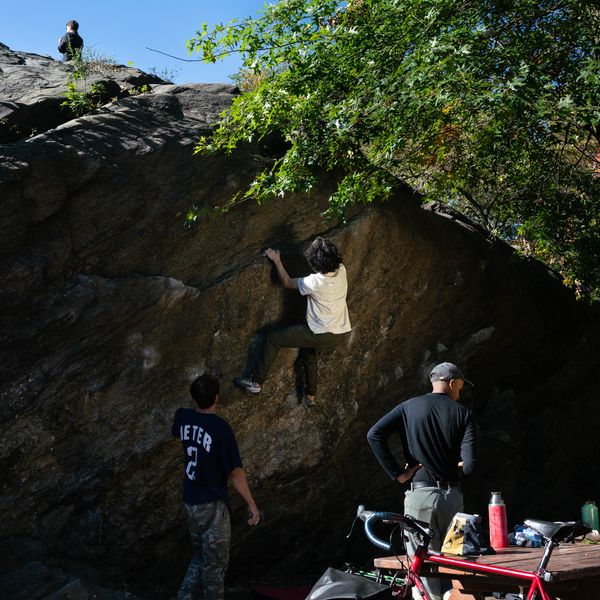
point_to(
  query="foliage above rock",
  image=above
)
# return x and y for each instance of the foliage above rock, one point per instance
(489, 106)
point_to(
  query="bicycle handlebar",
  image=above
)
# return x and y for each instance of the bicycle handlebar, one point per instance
(408, 522)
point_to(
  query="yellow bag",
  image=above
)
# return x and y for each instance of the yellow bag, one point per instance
(465, 536)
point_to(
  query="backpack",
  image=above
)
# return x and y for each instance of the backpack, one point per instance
(465, 536)
(339, 585)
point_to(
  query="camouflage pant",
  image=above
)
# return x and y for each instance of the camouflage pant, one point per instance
(210, 530)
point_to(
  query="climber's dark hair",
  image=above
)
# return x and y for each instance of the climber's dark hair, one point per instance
(323, 256)
(204, 390)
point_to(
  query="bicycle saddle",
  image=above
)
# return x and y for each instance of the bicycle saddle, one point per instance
(558, 531)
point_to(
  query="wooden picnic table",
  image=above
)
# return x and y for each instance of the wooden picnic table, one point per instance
(575, 570)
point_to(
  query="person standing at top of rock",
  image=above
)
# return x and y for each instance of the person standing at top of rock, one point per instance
(70, 43)
(327, 321)
(211, 459)
(438, 443)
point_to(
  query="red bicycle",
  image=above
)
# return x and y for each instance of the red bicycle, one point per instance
(553, 534)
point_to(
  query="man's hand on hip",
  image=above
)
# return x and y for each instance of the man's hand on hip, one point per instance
(408, 473)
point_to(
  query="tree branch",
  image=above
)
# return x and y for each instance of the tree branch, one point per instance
(175, 57)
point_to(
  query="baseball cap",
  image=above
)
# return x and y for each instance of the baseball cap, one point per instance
(446, 371)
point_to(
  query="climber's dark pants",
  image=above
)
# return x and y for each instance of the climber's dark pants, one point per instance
(309, 343)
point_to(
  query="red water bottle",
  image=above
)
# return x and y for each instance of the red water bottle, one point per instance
(498, 527)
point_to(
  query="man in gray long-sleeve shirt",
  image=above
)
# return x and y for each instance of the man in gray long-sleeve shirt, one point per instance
(438, 439)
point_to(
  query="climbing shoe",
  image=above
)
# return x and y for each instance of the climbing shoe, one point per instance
(247, 384)
(308, 401)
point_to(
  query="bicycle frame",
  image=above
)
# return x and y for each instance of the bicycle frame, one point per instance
(535, 578)
(554, 533)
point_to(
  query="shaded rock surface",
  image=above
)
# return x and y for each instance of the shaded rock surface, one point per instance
(110, 306)
(35, 580)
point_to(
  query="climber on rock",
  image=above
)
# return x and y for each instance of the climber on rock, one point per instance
(327, 322)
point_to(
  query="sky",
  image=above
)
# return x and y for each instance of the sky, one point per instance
(122, 30)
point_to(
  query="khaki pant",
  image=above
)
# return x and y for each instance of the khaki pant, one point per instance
(436, 507)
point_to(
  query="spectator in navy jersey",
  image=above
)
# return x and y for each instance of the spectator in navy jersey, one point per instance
(211, 460)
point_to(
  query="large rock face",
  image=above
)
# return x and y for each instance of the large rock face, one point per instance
(110, 305)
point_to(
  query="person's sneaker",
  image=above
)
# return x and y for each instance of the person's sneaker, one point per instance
(308, 401)
(247, 384)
